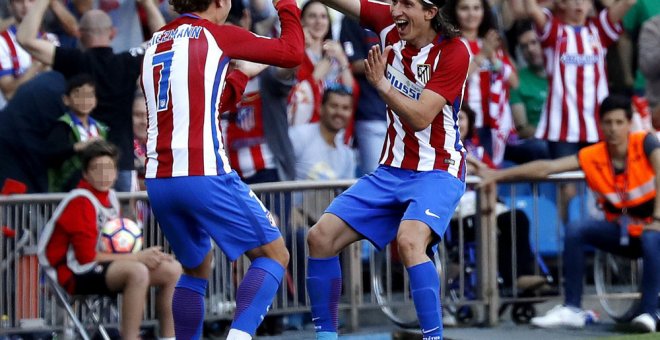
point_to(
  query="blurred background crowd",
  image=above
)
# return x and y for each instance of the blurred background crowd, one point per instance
(515, 108)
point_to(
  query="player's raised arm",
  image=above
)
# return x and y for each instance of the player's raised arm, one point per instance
(286, 51)
(348, 7)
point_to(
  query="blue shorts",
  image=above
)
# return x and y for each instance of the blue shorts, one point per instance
(378, 202)
(193, 210)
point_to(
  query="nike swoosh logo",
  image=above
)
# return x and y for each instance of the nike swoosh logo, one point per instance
(314, 319)
(429, 213)
(424, 331)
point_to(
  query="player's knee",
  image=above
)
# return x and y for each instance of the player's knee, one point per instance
(279, 254)
(203, 271)
(283, 257)
(317, 239)
(410, 245)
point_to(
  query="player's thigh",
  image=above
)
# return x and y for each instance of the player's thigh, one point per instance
(177, 204)
(370, 207)
(414, 233)
(433, 197)
(236, 219)
(333, 233)
(275, 250)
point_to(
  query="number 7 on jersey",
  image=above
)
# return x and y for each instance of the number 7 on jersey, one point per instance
(163, 86)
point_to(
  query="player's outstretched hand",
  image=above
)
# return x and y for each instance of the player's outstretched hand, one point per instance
(249, 68)
(375, 65)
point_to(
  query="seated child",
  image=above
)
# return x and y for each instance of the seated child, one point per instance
(68, 248)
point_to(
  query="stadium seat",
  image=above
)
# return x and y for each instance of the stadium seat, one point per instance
(576, 208)
(548, 190)
(85, 311)
(543, 220)
(506, 190)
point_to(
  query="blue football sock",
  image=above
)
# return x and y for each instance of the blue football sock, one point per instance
(324, 290)
(255, 293)
(425, 289)
(188, 307)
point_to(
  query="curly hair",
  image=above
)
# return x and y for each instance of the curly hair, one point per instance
(487, 23)
(188, 6)
(441, 22)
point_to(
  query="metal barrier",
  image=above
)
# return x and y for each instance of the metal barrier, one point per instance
(296, 205)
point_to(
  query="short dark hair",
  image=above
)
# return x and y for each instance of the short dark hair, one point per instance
(188, 6)
(616, 102)
(236, 12)
(487, 23)
(97, 149)
(523, 26)
(79, 80)
(338, 89)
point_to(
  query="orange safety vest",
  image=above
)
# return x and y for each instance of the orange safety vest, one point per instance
(633, 187)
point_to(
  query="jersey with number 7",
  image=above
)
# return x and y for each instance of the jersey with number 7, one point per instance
(186, 85)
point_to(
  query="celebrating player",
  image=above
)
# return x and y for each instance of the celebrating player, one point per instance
(194, 193)
(420, 75)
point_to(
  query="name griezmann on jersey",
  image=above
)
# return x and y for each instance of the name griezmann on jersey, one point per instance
(190, 32)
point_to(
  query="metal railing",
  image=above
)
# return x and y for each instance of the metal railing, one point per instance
(296, 205)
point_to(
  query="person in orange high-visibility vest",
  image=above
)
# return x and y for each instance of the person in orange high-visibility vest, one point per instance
(621, 171)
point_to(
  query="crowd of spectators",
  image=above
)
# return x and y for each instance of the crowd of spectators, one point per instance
(534, 97)
(537, 76)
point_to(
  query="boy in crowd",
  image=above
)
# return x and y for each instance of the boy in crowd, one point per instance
(72, 133)
(68, 248)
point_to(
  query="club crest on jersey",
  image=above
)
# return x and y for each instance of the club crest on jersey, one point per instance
(424, 73)
(245, 119)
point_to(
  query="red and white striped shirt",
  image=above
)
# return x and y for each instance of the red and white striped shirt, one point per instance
(481, 84)
(575, 64)
(246, 143)
(14, 59)
(186, 86)
(441, 67)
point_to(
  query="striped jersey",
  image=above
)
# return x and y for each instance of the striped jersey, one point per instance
(14, 59)
(186, 85)
(575, 64)
(482, 85)
(244, 135)
(441, 67)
